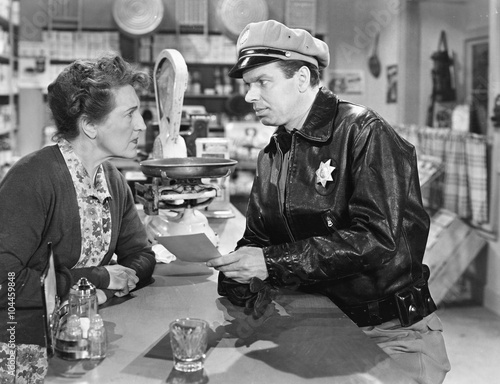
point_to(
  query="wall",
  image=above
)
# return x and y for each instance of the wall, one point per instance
(351, 36)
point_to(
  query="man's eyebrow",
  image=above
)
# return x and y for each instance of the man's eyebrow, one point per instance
(256, 78)
(131, 109)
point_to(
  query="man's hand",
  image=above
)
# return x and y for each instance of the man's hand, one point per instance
(121, 279)
(242, 265)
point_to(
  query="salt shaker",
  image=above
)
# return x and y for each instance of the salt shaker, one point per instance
(97, 338)
(83, 303)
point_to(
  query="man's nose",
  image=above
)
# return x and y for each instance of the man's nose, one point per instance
(252, 94)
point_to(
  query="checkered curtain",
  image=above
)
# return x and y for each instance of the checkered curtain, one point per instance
(464, 156)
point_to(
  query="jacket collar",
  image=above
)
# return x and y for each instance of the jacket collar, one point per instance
(319, 123)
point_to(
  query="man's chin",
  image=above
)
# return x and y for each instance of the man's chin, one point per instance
(265, 121)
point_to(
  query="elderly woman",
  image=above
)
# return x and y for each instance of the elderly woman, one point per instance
(68, 194)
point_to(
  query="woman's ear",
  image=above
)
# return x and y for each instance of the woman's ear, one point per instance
(88, 128)
(304, 78)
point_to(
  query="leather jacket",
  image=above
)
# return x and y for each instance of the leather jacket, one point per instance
(361, 236)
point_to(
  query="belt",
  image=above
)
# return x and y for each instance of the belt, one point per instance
(373, 313)
(409, 305)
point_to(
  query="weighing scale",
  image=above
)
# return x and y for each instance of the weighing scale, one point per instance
(176, 193)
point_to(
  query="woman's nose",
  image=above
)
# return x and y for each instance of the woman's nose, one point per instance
(140, 125)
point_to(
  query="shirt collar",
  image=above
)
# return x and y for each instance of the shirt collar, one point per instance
(83, 183)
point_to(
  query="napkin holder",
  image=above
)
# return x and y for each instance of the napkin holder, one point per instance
(55, 317)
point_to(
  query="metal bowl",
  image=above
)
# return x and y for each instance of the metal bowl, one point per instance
(188, 167)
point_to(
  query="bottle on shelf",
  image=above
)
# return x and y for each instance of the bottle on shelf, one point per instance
(219, 86)
(228, 87)
(196, 83)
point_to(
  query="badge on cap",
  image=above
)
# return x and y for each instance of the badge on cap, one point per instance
(324, 173)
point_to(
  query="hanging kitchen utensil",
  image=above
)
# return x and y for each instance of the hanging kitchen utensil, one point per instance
(170, 81)
(234, 15)
(138, 17)
(373, 61)
(442, 79)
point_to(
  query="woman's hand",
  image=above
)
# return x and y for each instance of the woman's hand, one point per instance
(101, 296)
(121, 279)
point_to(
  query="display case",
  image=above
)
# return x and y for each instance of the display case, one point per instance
(9, 18)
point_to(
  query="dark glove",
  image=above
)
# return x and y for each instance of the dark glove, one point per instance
(255, 296)
(264, 294)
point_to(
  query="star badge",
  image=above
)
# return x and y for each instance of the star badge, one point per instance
(324, 173)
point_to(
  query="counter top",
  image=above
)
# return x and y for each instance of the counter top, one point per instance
(301, 338)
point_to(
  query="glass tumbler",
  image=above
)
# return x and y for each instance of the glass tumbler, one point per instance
(188, 338)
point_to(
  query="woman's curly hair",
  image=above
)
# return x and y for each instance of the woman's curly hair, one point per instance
(84, 89)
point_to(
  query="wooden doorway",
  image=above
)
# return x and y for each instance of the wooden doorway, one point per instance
(477, 55)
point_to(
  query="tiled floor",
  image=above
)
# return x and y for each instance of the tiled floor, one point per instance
(472, 337)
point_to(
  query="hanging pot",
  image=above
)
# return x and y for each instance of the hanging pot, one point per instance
(373, 61)
(442, 76)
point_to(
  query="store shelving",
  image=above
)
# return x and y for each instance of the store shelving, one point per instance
(8, 26)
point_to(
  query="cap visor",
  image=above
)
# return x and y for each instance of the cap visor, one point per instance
(249, 62)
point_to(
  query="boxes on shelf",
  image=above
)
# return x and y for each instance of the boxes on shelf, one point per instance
(71, 45)
(163, 41)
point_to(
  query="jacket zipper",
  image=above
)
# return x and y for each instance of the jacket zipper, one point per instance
(280, 202)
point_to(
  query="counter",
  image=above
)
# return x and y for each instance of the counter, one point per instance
(300, 339)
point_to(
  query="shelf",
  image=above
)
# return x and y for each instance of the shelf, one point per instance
(190, 96)
(60, 61)
(203, 96)
(200, 64)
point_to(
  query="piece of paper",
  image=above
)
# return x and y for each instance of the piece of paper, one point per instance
(195, 247)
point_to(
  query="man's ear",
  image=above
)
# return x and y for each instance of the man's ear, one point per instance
(304, 78)
(88, 128)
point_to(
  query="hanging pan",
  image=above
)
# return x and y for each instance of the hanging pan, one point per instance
(138, 17)
(373, 61)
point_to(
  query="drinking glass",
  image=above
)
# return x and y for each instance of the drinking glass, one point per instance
(188, 338)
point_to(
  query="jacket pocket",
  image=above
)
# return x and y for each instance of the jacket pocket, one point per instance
(329, 221)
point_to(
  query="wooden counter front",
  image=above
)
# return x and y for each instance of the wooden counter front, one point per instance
(300, 339)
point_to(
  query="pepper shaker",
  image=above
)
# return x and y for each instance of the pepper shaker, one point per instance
(97, 338)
